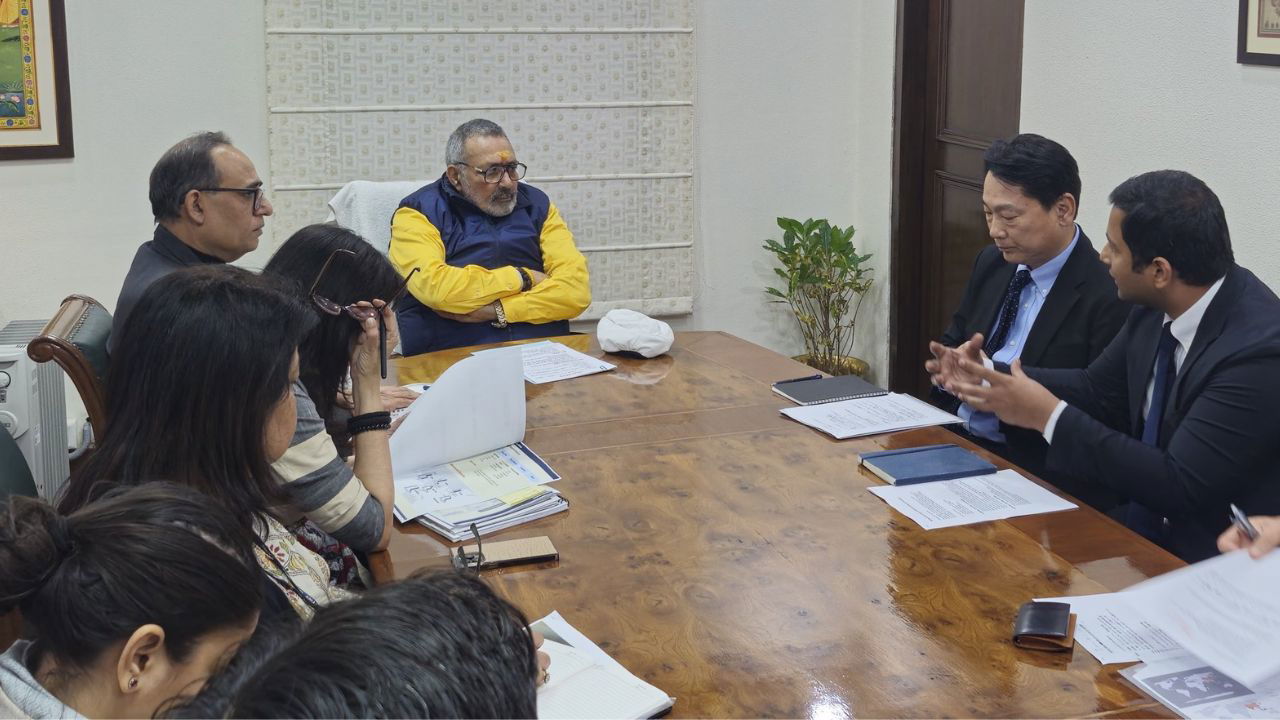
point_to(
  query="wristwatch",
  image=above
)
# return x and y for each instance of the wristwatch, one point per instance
(501, 314)
(526, 280)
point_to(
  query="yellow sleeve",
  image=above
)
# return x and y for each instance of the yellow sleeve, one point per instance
(415, 242)
(567, 290)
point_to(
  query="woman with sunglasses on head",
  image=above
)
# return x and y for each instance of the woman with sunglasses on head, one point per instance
(130, 602)
(345, 283)
(199, 392)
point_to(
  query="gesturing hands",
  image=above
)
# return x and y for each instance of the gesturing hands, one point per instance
(944, 369)
(1015, 398)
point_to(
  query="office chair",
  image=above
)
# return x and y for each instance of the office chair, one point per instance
(76, 339)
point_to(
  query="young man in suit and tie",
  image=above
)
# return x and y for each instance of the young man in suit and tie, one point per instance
(1180, 415)
(1037, 292)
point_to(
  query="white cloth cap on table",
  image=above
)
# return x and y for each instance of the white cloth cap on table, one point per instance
(628, 330)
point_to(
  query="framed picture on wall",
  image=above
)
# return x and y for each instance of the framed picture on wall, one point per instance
(1259, 42)
(35, 97)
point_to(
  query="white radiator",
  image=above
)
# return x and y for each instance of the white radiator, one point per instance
(33, 407)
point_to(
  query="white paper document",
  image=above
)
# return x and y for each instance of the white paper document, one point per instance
(1113, 631)
(1224, 610)
(550, 361)
(494, 490)
(1193, 689)
(586, 683)
(964, 501)
(477, 405)
(870, 415)
(503, 473)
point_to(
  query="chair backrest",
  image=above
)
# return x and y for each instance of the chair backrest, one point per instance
(76, 339)
(365, 208)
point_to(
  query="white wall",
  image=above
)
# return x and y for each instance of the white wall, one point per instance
(793, 110)
(1128, 88)
(794, 114)
(143, 75)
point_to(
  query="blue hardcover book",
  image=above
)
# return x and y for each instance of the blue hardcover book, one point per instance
(925, 464)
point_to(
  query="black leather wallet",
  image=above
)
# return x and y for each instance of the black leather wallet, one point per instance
(1045, 626)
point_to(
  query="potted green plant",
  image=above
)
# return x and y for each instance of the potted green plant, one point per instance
(824, 281)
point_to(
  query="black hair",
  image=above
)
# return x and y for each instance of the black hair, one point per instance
(430, 646)
(1172, 214)
(186, 166)
(325, 353)
(160, 553)
(200, 365)
(1040, 167)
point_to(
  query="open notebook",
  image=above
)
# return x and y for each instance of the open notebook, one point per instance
(586, 683)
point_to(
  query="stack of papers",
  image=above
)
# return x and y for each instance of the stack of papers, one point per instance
(586, 683)
(548, 361)
(947, 503)
(458, 459)
(1206, 634)
(495, 490)
(1192, 689)
(870, 415)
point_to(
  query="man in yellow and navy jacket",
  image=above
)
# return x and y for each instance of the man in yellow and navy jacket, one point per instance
(496, 260)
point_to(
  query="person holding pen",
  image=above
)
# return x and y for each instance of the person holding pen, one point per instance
(1266, 537)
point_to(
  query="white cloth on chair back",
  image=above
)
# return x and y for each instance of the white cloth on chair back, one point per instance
(365, 208)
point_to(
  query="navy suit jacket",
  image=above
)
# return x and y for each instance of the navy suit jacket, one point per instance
(1220, 434)
(1079, 318)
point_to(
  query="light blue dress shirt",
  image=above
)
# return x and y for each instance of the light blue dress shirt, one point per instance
(987, 425)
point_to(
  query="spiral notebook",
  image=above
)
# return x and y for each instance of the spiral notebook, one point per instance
(828, 389)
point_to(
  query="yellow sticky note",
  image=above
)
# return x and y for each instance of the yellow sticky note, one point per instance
(519, 496)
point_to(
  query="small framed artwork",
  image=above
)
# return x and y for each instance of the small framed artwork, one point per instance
(35, 96)
(1259, 42)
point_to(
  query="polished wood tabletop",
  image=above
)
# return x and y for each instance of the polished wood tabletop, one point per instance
(734, 558)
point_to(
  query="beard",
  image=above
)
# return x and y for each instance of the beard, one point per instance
(499, 204)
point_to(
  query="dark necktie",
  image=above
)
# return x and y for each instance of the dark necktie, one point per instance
(1165, 371)
(1138, 517)
(1008, 311)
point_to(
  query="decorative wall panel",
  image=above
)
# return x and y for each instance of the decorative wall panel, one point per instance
(596, 96)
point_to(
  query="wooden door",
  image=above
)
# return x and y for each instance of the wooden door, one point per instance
(959, 78)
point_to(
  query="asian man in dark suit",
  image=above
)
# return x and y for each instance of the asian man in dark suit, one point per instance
(1037, 292)
(1180, 414)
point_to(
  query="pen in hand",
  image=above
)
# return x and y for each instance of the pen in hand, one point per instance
(382, 343)
(1241, 521)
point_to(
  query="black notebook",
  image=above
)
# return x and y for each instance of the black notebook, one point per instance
(827, 389)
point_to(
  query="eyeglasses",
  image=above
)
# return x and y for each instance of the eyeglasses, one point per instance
(359, 312)
(255, 192)
(470, 561)
(493, 175)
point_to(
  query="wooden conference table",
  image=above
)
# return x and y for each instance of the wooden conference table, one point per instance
(734, 558)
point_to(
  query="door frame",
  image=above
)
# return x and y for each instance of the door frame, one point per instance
(906, 229)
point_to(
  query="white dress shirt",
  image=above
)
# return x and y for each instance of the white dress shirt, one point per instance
(1031, 300)
(1183, 329)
